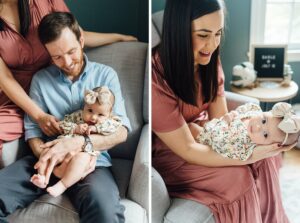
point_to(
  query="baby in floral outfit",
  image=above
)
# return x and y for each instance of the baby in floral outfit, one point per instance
(96, 117)
(236, 134)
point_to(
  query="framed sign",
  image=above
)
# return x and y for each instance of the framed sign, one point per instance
(268, 61)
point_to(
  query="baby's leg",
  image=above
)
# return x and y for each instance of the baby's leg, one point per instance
(73, 173)
(60, 170)
(39, 178)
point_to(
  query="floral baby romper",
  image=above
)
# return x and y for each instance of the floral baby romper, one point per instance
(107, 127)
(230, 139)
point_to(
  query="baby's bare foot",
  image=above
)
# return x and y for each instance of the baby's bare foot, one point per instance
(38, 180)
(56, 189)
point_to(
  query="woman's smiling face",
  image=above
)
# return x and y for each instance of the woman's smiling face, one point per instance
(206, 36)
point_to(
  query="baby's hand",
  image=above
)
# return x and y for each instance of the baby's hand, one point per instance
(229, 116)
(91, 129)
(81, 129)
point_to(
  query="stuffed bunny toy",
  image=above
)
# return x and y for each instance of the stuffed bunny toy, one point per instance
(243, 75)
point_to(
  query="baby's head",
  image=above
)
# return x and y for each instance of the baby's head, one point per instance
(98, 105)
(280, 125)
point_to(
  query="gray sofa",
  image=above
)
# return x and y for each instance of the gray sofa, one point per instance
(176, 210)
(130, 159)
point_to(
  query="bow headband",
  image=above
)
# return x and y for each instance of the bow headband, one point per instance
(290, 122)
(103, 95)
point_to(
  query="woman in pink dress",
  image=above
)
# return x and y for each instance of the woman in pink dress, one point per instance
(21, 55)
(187, 87)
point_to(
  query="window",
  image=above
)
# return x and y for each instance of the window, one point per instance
(277, 22)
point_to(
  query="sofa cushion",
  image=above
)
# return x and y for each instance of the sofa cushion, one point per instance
(13, 151)
(234, 100)
(128, 59)
(134, 213)
(139, 182)
(193, 211)
(146, 93)
(157, 19)
(155, 36)
(121, 170)
(160, 197)
(46, 207)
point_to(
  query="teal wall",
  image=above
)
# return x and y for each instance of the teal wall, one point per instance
(126, 16)
(237, 35)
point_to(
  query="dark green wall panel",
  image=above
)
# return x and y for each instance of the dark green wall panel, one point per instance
(121, 16)
(158, 5)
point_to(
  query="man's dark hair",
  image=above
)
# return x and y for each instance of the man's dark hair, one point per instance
(52, 25)
(176, 50)
(24, 14)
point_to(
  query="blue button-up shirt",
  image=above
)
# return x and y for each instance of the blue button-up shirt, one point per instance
(57, 95)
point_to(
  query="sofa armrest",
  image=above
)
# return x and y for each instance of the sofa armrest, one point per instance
(12, 151)
(138, 190)
(234, 100)
(160, 197)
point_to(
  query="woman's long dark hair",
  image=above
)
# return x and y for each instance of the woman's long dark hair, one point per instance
(176, 50)
(24, 14)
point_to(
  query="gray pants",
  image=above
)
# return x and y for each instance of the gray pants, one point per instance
(96, 197)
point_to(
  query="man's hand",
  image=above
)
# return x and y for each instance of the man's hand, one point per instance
(54, 152)
(49, 124)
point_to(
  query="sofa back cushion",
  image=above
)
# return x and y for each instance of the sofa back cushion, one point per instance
(146, 93)
(128, 59)
(157, 21)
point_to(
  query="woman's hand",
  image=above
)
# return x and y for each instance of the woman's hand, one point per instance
(195, 129)
(93, 39)
(49, 124)
(265, 151)
(127, 38)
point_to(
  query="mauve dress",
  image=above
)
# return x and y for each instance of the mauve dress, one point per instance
(23, 56)
(241, 194)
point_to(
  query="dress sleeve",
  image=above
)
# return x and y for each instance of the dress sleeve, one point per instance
(166, 115)
(221, 80)
(59, 6)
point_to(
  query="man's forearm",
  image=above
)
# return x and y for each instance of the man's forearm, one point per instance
(101, 142)
(34, 144)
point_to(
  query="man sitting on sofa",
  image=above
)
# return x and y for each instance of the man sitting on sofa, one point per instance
(59, 90)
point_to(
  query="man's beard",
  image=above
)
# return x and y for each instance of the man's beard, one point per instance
(79, 66)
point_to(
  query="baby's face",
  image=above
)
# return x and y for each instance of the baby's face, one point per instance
(96, 113)
(263, 129)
